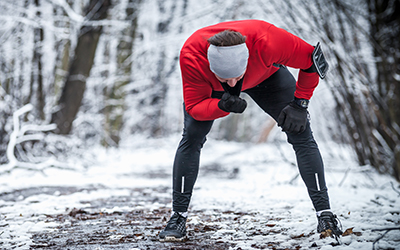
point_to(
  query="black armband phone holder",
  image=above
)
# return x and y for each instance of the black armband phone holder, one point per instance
(320, 65)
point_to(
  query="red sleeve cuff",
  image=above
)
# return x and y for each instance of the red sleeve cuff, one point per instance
(306, 84)
(207, 110)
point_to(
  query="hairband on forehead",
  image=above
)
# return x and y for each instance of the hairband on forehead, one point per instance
(228, 61)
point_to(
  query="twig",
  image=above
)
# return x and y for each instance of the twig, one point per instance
(293, 179)
(376, 202)
(285, 159)
(38, 167)
(383, 235)
(391, 183)
(345, 176)
(388, 228)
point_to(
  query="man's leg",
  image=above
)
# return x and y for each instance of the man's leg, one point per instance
(185, 171)
(272, 96)
(187, 158)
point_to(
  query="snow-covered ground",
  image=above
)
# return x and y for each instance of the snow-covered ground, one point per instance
(258, 181)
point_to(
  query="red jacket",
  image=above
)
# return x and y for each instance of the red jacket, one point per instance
(267, 45)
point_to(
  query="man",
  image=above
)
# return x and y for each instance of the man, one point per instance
(220, 61)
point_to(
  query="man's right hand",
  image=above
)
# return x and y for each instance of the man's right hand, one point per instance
(232, 103)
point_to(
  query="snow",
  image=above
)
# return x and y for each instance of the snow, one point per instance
(259, 180)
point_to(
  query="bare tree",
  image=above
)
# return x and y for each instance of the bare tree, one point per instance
(36, 93)
(115, 94)
(368, 102)
(385, 33)
(81, 65)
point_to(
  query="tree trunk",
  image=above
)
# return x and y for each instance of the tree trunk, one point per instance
(81, 65)
(37, 76)
(115, 96)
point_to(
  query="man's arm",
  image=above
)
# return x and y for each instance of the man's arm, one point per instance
(287, 49)
(197, 92)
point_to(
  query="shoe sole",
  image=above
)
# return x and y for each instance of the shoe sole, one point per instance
(172, 239)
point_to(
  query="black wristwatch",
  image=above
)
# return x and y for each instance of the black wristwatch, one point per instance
(301, 102)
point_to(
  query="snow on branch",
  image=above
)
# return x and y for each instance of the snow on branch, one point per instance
(18, 136)
(69, 11)
(87, 20)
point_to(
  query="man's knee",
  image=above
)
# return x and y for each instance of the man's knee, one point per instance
(304, 138)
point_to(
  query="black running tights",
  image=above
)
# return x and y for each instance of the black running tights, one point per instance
(272, 95)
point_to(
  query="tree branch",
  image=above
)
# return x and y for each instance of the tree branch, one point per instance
(18, 136)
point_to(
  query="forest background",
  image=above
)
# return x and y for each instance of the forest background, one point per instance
(80, 73)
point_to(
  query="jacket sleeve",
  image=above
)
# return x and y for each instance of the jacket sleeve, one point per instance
(197, 92)
(287, 49)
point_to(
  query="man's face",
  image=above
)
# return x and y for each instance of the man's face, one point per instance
(230, 81)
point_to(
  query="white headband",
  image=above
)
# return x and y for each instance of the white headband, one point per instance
(228, 61)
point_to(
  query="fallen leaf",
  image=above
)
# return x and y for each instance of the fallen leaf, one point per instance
(326, 233)
(297, 236)
(209, 228)
(350, 231)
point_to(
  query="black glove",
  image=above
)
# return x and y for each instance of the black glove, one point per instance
(232, 103)
(293, 118)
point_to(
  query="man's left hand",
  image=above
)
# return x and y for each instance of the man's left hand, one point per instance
(293, 118)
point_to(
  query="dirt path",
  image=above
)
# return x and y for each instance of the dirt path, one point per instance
(101, 226)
